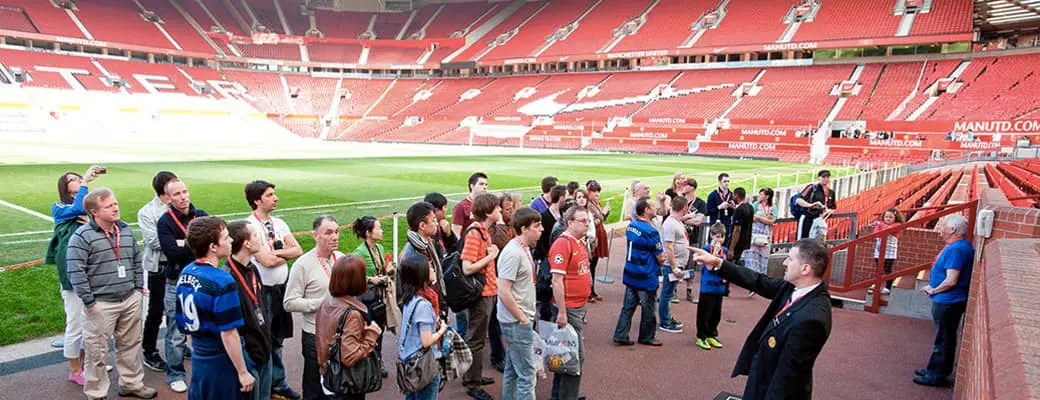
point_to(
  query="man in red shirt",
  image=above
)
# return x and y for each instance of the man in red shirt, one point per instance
(462, 214)
(478, 257)
(572, 283)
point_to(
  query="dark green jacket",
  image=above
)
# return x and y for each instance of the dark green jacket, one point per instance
(56, 250)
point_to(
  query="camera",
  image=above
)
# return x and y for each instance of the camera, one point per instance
(278, 245)
(100, 170)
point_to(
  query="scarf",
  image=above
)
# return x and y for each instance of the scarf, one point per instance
(427, 249)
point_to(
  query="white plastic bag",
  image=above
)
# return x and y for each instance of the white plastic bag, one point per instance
(539, 356)
(561, 349)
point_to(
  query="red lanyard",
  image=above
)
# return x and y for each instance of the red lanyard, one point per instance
(114, 241)
(251, 288)
(325, 265)
(527, 252)
(178, 222)
(768, 210)
(724, 197)
(716, 250)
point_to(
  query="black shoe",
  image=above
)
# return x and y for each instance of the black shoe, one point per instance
(921, 372)
(581, 396)
(499, 366)
(926, 381)
(652, 342)
(286, 393)
(478, 393)
(624, 342)
(153, 362)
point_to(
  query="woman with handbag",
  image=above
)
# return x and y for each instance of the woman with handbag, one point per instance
(756, 257)
(418, 374)
(348, 336)
(381, 296)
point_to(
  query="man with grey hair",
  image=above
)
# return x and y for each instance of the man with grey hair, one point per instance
(105, 271)
(948, 288)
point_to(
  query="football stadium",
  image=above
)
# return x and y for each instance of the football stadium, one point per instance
(871, 168)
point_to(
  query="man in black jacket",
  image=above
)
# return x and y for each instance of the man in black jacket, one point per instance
(172, 230)
(779, 353)
(256, 312)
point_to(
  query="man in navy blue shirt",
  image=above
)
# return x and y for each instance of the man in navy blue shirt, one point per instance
(642, 266)
(948, 288)
(721, 205)
(208, 309)
(172, 231)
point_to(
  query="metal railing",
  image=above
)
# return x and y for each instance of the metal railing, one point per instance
(848, 250)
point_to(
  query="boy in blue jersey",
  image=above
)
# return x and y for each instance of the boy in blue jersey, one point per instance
(208, 310)
(713, 288)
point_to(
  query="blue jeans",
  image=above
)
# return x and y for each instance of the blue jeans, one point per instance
(175, 344)
(947, 319)
(664, 304)
(427, 393)
(277, 367)
(262, 374)
(461, 322)
(518, 380)
(647, 320)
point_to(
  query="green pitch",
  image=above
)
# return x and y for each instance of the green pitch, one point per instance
(345, 188)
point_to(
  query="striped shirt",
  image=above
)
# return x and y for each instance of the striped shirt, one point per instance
(476, 248)
(94, 271)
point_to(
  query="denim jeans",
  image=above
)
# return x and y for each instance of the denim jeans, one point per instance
(518, 380)
(175, 344)
(567, 387)
(262, 374)
(461, 322)
(277, 367)
(664, 304)
(947, 319)
(427, 393)
(647, 320)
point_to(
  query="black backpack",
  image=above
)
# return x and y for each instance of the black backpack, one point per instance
(461, 290)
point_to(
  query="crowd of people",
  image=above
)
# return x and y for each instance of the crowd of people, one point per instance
(229, 287)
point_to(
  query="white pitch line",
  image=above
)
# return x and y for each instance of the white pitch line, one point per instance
(27, 211)
(333, 205)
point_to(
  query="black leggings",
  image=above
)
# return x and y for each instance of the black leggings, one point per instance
(592, 265)
(889, 262)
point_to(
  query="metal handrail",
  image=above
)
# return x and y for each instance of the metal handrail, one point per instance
(880, 277)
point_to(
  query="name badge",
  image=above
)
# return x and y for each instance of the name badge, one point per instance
(259, 316)
(121, 271)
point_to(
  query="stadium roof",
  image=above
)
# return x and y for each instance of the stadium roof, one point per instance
(1007, 15)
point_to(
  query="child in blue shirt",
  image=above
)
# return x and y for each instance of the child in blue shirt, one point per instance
(713, 288)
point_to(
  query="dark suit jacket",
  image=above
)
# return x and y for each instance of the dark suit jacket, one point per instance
(779, 353)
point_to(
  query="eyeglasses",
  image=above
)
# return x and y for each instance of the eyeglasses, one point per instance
(583, 220)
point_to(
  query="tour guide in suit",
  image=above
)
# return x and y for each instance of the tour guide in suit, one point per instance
(779, 354)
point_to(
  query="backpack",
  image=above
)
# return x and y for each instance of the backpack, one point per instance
(461, 290)
(797, 211)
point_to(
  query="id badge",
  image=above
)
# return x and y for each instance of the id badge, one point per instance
(121, 271)
(259, 316)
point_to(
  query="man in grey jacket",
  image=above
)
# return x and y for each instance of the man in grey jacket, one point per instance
(154, 263)
(105, 272)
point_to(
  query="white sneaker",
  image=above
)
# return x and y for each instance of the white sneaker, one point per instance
(179, 386)
(885, 290)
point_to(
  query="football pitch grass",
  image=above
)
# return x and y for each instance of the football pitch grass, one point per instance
(345, 188)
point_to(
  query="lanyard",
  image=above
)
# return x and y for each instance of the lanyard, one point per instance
(325, 264)
(251, 288)
(527, 252)
(786, 306)
(725, 197)
(114, 241)
(178, 222)
(716, 250)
